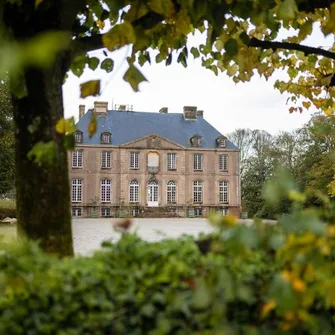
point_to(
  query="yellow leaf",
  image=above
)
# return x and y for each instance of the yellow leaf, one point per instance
(61, 126)
(119, 36)
(330, 25)
(92, 127)
(306, 104)
(134, 77)
(267, 308)
(298, 285)
(91, 87)
(100, 24)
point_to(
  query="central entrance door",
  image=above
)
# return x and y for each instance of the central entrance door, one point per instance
(153, 194)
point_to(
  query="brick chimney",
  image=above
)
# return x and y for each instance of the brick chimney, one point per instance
(190, 112)
(100, 107)
(163, 110)
(81, 111)
(200, 113)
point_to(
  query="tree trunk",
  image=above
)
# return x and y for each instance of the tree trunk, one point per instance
(43, 195)
(42, 190)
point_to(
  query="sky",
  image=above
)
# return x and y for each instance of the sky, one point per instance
(227, 106)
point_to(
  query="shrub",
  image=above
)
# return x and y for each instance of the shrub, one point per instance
(7, 208)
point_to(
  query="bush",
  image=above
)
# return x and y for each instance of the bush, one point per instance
(7, 208)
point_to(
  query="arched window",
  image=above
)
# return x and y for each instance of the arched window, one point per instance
(76, 190)
(106, 190)
(106, 138)
(171, 192)
(197, 191)
(196, 141)
(223, 192)
(78, 137)
(133, 191)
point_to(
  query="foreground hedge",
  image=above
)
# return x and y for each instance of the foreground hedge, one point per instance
(245, 280)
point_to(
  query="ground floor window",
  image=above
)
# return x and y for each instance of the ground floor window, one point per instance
(76, 211)
(105, 212)
(197, 212)
(224, 211)
(133, 212)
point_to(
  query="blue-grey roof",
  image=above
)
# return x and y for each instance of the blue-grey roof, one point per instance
(128, 126)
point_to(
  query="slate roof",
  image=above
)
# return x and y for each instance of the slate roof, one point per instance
(126, 126)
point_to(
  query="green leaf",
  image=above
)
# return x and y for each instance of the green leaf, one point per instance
(93, 63)
(65, 126)
(78, 65)
(244, 37)
(43, 152)
(134, 77)
(92, 127)
(119, 36)
(69, 142)
(107, 65)
(231, 48)
(91, 87)
(195, 52)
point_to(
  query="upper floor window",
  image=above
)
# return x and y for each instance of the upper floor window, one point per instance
(105, 190)
(223, 162)
(196, 141)
(171, 161)
(133, 191)
(78, 137)
(197, 191)
(106, 138)
(106, 160)
(76, 190)
(134, 160)
(171, 192)
(221, 141)
(77, 159)
(223, 192)
(197, 162)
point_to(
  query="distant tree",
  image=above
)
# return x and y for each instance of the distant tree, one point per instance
(7, 168)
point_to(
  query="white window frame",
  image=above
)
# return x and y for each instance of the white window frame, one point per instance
(106, 138)
(76, 190)
(223, 162)
(106, 190)
(78, 137)
(105, 212)
(77, 159)
(106, 159)
(171, 161)
(171, 192)
(224, 192)
(134, 191)
(76, 211)
(224, 211)
(197, 162)
(134, 160)
(197, 191)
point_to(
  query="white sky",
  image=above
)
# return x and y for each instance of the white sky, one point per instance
(227, 106)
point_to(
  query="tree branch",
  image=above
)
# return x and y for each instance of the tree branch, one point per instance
(86, 44)
(254, 42)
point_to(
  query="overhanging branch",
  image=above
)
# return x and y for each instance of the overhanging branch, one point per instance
(86, 44)
(255, 42)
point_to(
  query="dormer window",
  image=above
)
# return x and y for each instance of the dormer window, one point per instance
(196, 141)
(78, 137)
(221, 141)
(106, 138)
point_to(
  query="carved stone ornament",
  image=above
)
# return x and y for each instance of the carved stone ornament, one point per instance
(153, 142)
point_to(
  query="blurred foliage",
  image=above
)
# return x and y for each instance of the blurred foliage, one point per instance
(307, 154)
(7, 167)
(248, 279)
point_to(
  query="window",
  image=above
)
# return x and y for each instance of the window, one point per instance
(105, 190)
(77, 159)
(223, 162)
(197, 191)
(76, 211)
(76, 190)
(171, 161)
(196, 141)
(221, 142)
(224, 211)
(171, 192)
(197, 162)
(153, 162)
(197, 212)
(134, 212)
(106, 138)
(105, 212)
(78, 137)
(134, 162)
(106, 160)
(133, 191)
(223, 192)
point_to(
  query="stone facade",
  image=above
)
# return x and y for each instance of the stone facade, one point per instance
(154, 148)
